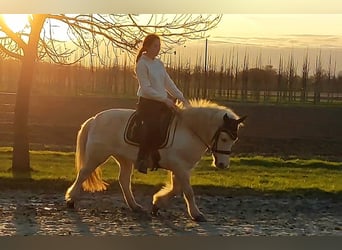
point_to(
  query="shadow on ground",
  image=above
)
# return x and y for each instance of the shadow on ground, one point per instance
(58, 185)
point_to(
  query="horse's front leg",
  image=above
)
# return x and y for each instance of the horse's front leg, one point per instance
(194, 212)
(126, 169)
(182, 179)
(163, 196)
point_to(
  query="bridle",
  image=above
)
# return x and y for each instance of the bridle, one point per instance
(214, 141)
(213, 148)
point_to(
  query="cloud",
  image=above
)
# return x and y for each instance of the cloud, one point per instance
(284, 41)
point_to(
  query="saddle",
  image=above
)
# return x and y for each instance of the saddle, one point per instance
(164, 138)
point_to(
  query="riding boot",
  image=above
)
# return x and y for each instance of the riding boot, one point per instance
(155, 156)
(142, 162)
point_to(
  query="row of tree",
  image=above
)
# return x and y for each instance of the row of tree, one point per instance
(231, 80)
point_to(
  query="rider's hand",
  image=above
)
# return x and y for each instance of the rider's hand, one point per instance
(186, 103)
(170, 104)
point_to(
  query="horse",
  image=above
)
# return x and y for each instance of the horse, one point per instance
(201, 126)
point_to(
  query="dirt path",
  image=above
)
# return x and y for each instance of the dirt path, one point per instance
(27, 213)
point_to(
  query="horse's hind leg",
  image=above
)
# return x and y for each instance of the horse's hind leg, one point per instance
(74, 191)
(163, 196)
(126, 169)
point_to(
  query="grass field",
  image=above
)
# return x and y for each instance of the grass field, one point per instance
(247, 175)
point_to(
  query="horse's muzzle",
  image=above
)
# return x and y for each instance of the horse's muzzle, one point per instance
(221, 165)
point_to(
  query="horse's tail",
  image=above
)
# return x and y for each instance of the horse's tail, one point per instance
(94, 182)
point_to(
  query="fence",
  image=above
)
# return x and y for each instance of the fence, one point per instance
(246, 85)
(7, 101)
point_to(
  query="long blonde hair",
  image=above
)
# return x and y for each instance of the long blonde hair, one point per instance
(147, 42)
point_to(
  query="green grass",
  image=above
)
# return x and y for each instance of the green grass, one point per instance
(247, 175)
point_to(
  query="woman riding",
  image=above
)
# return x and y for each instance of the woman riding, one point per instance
(155, 85)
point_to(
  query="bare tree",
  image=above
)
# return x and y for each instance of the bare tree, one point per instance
(235, 75)
(291, 74)
(91, 37)
(318, 76)
(244, 80)
(329, 81)
(305, 77)
(280, 79)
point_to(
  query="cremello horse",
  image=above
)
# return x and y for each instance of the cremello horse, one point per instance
(201, 126)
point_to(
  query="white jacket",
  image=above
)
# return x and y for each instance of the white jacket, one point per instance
(154, 81)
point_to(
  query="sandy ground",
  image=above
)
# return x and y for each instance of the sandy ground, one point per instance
(28, 213)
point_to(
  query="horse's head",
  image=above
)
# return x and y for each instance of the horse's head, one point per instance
(224, 139)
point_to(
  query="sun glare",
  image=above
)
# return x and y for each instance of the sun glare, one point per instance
(16, 22)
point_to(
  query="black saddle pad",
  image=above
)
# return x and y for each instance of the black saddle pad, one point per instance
(132, 130)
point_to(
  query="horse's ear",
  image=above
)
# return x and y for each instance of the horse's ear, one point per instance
(225, 117)
(242, 119)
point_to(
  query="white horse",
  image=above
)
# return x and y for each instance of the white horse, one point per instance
(201, 126)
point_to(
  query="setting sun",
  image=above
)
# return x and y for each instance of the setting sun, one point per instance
(16, 22)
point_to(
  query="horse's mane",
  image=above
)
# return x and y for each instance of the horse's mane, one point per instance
(201, 104)
(203, 112)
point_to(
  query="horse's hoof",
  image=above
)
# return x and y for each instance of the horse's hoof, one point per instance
(70, 204)
(138, 209)
(155, 210)
(200, 218)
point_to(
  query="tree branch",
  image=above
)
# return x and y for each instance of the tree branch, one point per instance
(9, 53)
(92, 34)
(14, 36)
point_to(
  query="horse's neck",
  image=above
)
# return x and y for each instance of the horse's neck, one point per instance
(202, 122)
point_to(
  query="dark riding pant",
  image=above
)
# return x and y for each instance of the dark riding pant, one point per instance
(149, 113)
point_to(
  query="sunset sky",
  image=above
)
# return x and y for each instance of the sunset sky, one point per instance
(174, 6)
(275, 30)
(293, 29)
(269, 27)
(275, 35)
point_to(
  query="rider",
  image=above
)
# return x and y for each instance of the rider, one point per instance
(155, 85)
